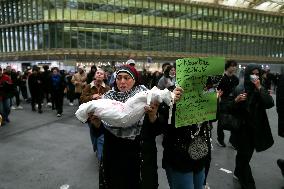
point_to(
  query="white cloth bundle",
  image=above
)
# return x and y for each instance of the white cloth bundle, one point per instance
(119, 114)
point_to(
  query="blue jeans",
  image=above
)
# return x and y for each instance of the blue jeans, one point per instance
(98, 143)
(188, 180)
(5, 108)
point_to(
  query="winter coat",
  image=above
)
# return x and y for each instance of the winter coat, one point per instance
(253, 112)
(79, 80)
(6, 87)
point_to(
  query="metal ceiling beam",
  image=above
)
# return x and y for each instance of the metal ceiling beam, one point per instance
(281, 10)
(256, 3)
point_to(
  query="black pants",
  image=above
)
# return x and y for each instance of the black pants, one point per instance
(245, 149)
(58, 97)
(221, 136)
(24, 92)
(36, 99)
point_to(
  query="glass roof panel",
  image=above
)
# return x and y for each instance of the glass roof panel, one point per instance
(264, 5)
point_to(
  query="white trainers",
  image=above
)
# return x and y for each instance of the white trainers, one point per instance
(13, 108)
(19, 107)
(49, 104)
(71, 104)
(206, 186)
(59, 115)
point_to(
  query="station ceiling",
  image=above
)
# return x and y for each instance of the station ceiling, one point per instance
(276, 6)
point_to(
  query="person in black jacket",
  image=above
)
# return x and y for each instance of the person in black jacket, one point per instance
(249, 106)
(46, 77)
(35, 82)
(226, 87)
(280, 111)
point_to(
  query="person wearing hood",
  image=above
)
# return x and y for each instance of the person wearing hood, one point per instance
(249, 106)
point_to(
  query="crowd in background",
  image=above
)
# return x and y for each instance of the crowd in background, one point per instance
(241, 95)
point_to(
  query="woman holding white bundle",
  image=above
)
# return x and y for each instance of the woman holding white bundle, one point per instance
(130, 154)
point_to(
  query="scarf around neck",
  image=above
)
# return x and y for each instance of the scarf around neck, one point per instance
(133, 130)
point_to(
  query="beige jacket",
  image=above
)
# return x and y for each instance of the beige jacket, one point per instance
(79, 80)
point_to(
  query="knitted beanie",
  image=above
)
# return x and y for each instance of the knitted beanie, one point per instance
(130, 70)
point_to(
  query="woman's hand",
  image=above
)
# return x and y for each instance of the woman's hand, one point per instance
(178, 93)
(257, 84)
(94, 120)
(96, 96)
(219, 93)
(152, 111)
(241, 97)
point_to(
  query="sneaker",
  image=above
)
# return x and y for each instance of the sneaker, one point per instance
(19, 107)
(221, 143)
(49, 104)
(207, 186)
(280, 163)
(59, 115)
(235, 177)
(71, 104)
(13, 108)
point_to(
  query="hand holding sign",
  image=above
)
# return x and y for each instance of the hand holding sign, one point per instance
(196, 105)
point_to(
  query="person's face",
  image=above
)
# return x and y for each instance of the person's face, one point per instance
(8, 69)
(172, 72)
(255, 72)
(80, 70)
(55, 72)
(232, 69)
(100, 75)
(124, 82)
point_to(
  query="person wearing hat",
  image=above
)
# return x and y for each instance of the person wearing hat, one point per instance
(130, 155)
(130, 62)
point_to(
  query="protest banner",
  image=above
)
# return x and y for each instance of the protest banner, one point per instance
(198, 104)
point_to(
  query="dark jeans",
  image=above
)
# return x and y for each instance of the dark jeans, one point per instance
(24, 92)
(17, 96)
(36, 99)
(78, 95)
(57, 98)
(47, 95)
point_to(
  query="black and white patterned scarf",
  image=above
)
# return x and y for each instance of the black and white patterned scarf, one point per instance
(133, 130)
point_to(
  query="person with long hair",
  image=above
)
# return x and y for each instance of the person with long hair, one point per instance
(249, 106)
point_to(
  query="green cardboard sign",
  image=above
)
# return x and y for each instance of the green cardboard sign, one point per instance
(197, 103)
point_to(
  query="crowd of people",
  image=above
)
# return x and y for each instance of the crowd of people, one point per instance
(128, 155)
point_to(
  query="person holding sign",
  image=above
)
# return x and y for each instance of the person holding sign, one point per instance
(185, 154)
(186, 139)
(251, 102)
